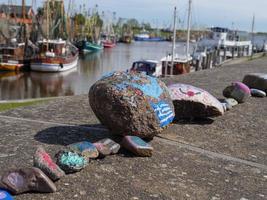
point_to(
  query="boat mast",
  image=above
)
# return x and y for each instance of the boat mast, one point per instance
(173, 42)
(23, 10)
(252, 33)
(47, 21)
(188, 28)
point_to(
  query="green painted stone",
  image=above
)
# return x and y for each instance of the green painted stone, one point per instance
(71, 161)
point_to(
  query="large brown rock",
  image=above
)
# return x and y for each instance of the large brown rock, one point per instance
(256, 80)
(131, 103)
(192, 102)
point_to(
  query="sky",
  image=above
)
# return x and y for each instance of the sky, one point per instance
(235, 14)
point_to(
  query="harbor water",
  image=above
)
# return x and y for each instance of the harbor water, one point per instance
(91, 67)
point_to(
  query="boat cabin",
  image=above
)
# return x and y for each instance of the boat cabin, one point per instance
(181, 65)
(149, 67)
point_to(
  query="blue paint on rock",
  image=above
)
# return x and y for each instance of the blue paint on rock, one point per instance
(139, 142)
(4, 195)
(83, 146)
(164, 112)
(152, 89)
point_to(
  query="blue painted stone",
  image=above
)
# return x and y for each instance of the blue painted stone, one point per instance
(132, 103)
(86, 149)
(257, 93)
(4, 195)
(137, 146)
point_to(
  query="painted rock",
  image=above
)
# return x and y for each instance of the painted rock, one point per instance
(26, 180)
(43, 161)
(71, 161)
(226, 106)
(132, 103)
(193, 102)
(113, 146)
(257, 93)
(231, 102)
(4, 195)
(238, 91)
(102, 149)
(86, 149)
(257, 81)
(137, 146)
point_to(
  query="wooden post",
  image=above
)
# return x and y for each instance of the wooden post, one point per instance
(224, 54)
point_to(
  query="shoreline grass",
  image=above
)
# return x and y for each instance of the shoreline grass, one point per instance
(12, 105)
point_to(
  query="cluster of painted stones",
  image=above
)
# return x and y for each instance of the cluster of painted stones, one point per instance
(132, 103)
(73, 158)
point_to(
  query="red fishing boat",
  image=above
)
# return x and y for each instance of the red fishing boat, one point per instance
(108, 44)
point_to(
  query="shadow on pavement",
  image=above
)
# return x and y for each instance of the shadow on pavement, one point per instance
(198, 121)
(65, 135)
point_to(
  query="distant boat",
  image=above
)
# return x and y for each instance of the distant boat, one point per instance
(108, 41)
(108, 44)
(88, 47)
(58, 56)
(144, 36)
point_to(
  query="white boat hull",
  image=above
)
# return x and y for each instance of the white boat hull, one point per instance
(48, 67)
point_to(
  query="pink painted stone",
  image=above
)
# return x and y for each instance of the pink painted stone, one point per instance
(193, 102)
(238, 91)
(102, 149)
(43, 161)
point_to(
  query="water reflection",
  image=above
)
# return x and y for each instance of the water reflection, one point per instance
(78, 81)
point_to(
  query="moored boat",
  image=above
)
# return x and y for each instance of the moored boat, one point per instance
(88, 47)
(108, 43)
(55, 56)
(12, 57)
(10, 66)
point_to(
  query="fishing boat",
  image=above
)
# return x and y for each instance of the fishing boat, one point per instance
(12, 57)
(108, 43)
(55, 56)
(88, 47)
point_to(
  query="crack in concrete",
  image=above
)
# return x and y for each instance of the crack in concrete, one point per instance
(160, 138)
